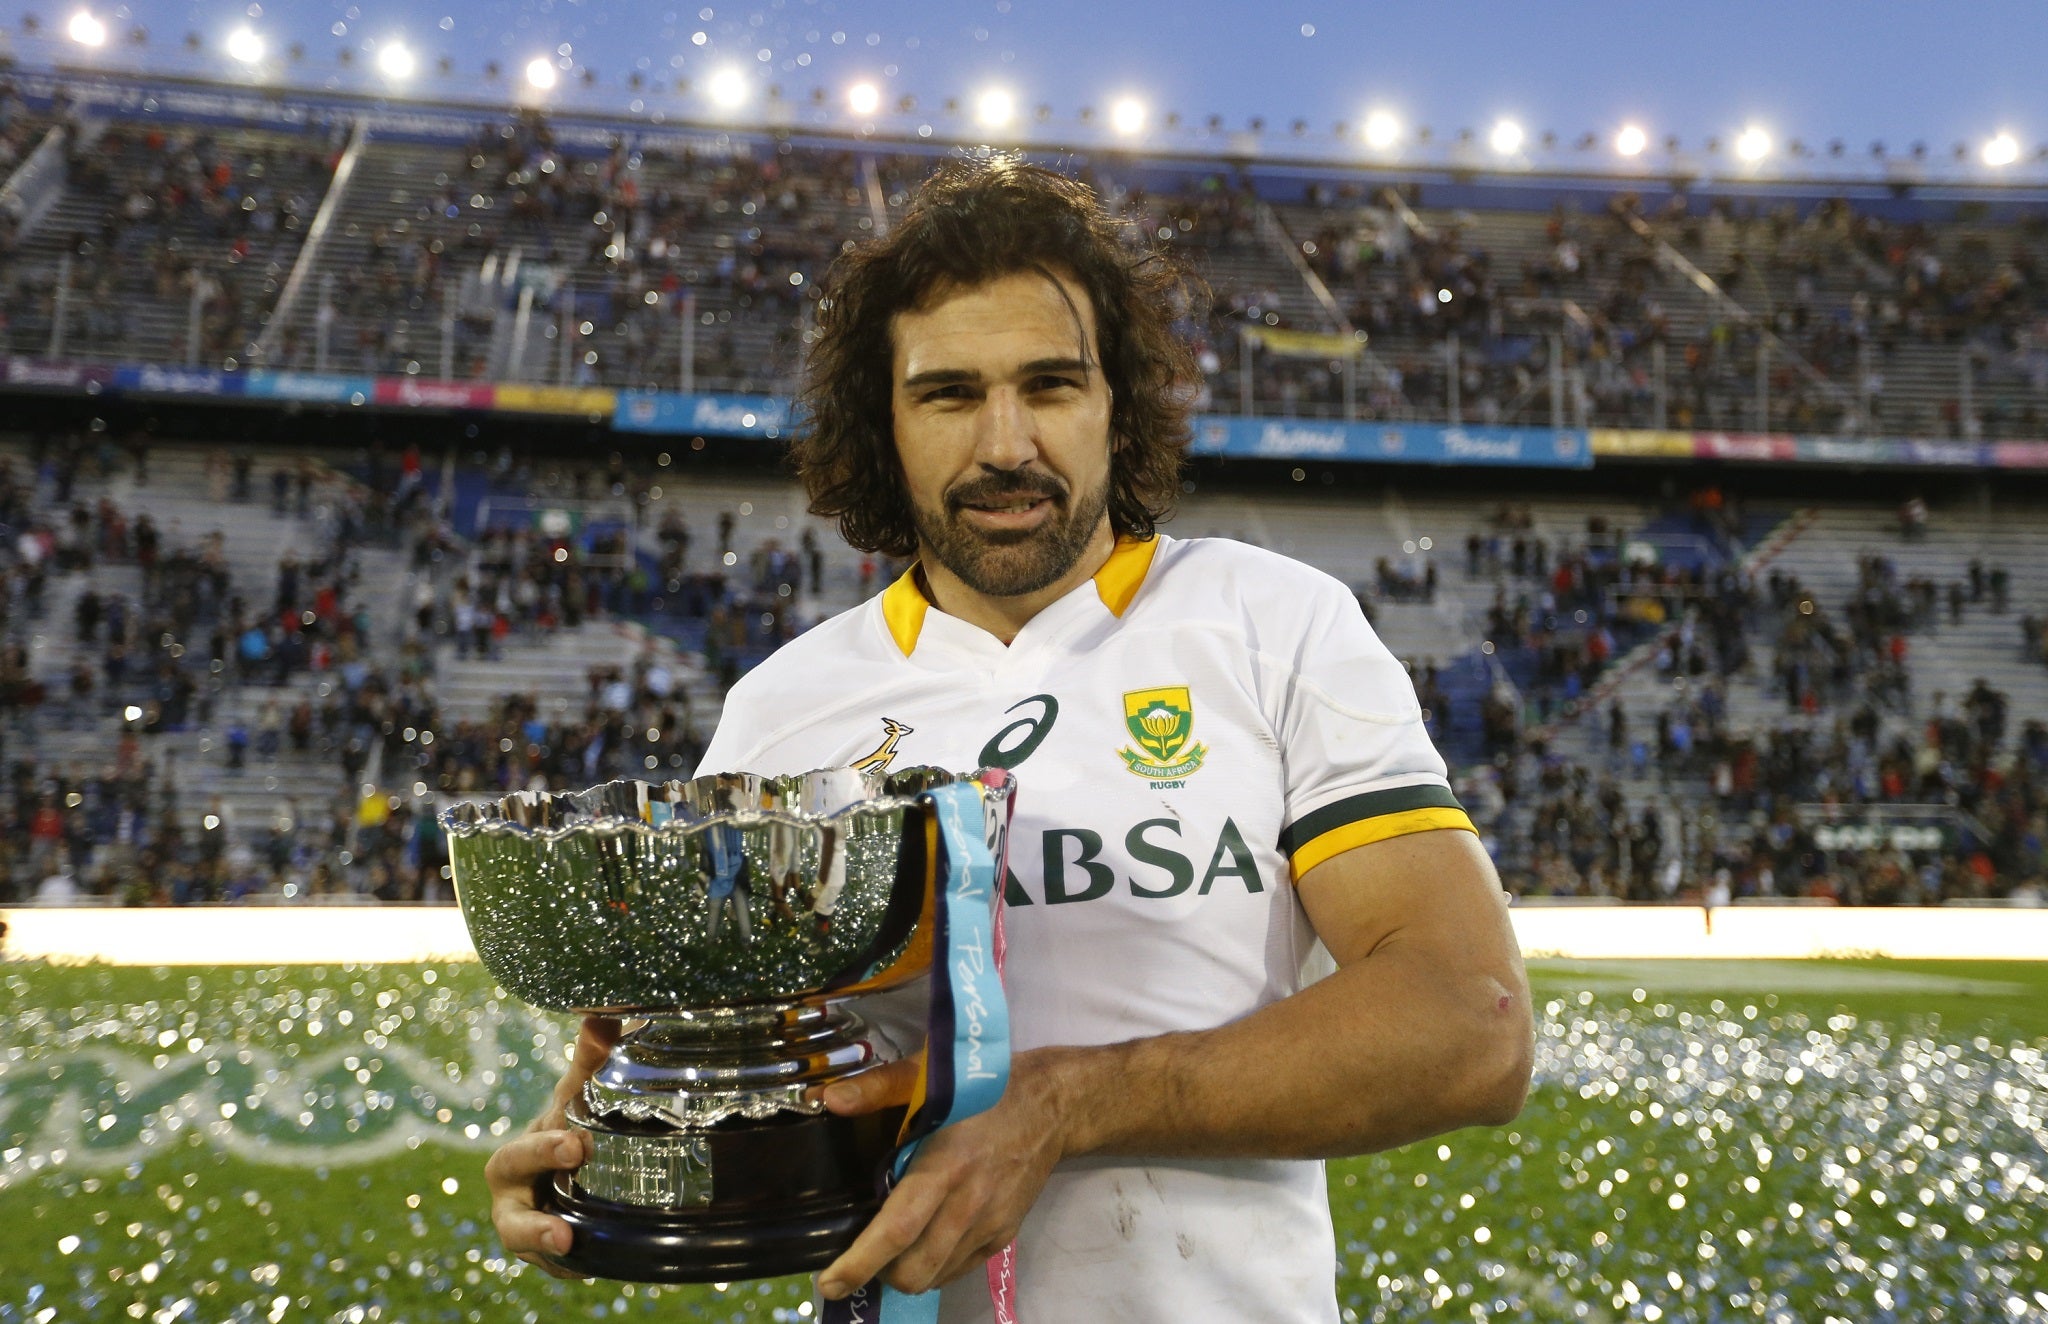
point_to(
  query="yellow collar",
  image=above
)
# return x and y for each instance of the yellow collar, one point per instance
(904, 603)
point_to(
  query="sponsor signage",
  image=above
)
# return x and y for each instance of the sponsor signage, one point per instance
(310, 388)
(1402, 443)
(767, 417)
(152, 379)
(1781, 448)
(1879, 836)
(674, 414)
(1641, 442)
(415, 393)
(522, 399)
(55, 375)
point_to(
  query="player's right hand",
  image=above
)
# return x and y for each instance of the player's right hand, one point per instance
(550, 1145)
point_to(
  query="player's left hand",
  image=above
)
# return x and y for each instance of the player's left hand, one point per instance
(967, 1190)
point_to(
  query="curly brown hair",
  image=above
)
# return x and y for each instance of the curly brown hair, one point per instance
(976, 220)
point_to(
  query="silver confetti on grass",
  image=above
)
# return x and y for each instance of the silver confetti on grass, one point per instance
(1947, 1129)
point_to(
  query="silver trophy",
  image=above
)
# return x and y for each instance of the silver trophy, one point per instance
(731, 913)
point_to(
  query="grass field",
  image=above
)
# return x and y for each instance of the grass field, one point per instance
(1709, 1140)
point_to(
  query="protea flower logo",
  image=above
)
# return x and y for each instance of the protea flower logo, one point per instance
(1161, 723)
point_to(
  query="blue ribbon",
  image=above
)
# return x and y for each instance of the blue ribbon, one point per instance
(967, 1055)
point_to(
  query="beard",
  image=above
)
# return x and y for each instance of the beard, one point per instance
(1007, 564)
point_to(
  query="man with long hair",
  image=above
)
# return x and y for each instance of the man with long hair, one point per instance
(1223, 777)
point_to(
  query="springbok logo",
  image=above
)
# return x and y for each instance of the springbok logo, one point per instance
(1161, 723)
(884, 753)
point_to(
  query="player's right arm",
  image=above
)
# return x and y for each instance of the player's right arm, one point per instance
(548, 1146)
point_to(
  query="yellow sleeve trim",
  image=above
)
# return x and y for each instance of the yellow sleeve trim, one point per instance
(1364, 833)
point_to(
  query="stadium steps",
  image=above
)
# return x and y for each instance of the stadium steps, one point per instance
(138, 325)
(1822, 548)
(1921, 378)
(180, 499)
(396, 188)
(1947, 659)
(1580, 739)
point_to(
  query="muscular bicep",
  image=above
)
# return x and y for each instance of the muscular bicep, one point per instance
(1427, 964)
(1434, 889)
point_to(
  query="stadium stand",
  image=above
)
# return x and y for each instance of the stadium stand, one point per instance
(248, 668)
(1564, 300)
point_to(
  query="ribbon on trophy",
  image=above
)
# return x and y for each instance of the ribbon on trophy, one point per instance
(967, 1051)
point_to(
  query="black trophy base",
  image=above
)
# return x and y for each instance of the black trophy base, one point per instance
(788, 1195)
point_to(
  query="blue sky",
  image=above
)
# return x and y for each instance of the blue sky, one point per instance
(1892, 71)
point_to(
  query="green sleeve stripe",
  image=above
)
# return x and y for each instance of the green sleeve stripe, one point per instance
(1358, 808)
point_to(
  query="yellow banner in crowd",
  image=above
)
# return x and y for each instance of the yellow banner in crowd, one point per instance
(1306, 344)
(555, 399)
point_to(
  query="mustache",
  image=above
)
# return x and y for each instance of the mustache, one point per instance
(1000, 489)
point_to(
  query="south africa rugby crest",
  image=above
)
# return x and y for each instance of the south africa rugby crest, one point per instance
(1162, 724)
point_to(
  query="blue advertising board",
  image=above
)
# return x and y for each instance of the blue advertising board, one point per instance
(152, 379)
(707, 415)
(310, 387)
(1391, 443)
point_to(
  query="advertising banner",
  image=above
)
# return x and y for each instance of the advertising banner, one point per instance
(56, 375)
(2019, 454)
(310, 388)
(1641, 442)
(519, 398)
(1778, 448)
(706, 415)
(1391, 443)
(150, 379)
(769, 418)
(428, 394)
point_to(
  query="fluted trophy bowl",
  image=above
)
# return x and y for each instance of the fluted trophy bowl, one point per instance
(731, 913)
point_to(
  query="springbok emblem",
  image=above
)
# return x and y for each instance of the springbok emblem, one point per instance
(892, 732)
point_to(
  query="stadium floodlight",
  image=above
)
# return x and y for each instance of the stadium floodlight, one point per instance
(1382, 130)
(728, 89)
(995, 108)
(2002, 150)
(394, 60)
(1506, 137)
(86, 30)
(540, 73)
(864, 98)
(245, 46)
(1127, 116)
(1631, 140)
(1754, 144)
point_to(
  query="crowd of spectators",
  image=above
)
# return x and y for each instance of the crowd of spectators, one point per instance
(1947, 801)
(1975, 826)
(1841, 308)
(1846, 315)
(1564, 607)
(179, 217)
(154, 652)
(624, 234)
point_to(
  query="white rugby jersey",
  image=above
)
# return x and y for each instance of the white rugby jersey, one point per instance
(1194, 728)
